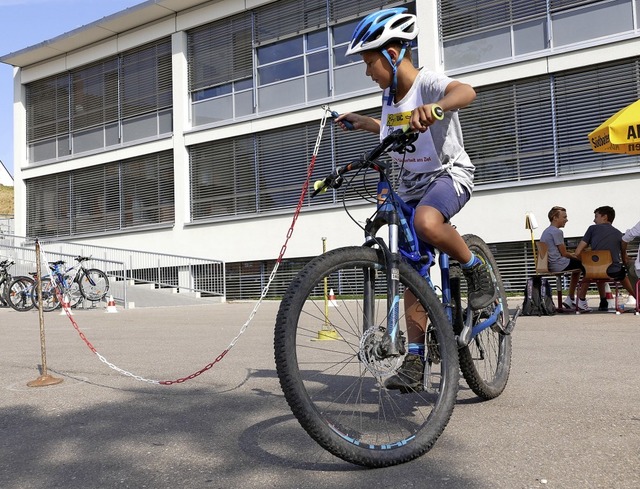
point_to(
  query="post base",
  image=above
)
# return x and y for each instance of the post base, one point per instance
(44, 380)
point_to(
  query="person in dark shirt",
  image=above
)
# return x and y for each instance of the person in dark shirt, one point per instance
(603, 236)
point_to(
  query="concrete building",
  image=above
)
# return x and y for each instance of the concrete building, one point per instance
(187, 126)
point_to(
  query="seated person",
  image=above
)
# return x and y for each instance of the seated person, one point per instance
(603, 236)
(559, 259)
(629, 236)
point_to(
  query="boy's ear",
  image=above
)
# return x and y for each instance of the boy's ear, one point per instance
(394, 52)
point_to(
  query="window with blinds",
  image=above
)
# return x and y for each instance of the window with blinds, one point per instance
(48, 107)
(265, 172)
(538, 127)
(585, 99)
(297, 47)
(111, 197)
(496, 31)
(113, 101)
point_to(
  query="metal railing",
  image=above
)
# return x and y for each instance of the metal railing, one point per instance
(198, 276)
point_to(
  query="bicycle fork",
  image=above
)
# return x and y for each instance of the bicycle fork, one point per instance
(392, 342)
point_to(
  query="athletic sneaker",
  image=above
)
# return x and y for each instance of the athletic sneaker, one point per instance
(481, 289)
(604, 304)
(568, 303)
(583, 306)
(409, 376)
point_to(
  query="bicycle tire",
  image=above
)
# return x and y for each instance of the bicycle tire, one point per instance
(340, 400)
(94, 284)
(50, 300)
(4, 293)
(19, 294)
(486, 361)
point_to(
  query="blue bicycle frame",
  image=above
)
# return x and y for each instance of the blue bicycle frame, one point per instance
(405, 244)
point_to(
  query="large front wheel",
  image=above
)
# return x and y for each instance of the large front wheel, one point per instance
(486, 361)
(328, 341)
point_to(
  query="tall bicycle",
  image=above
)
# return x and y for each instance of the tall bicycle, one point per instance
(333, 357)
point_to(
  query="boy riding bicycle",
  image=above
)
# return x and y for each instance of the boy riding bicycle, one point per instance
(436, 172)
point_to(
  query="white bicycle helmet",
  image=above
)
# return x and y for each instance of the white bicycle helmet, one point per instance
(378, 29)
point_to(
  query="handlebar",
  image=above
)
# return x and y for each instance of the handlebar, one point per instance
(346, 123)
(398, 140)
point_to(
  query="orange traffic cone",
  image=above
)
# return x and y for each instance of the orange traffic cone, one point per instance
(66, 306)
(332, 299)
(111, 305)
(611, 302)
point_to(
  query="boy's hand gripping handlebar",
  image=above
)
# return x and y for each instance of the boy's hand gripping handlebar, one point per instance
(346, 123)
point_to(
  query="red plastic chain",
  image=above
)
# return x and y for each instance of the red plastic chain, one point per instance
(283, 250)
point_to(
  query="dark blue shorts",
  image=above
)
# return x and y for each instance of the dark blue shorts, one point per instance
(441, 195)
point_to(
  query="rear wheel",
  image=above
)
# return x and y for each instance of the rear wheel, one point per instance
(94, 284)
(486, 361)
(328, 352)
(19, 294)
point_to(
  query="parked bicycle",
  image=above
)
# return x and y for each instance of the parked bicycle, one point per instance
(333, 358)
(20, 295)
(71, 284)
(10, 286)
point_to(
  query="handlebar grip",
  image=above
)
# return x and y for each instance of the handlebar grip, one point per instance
(320, 186)
(346, 123)
(437, 112)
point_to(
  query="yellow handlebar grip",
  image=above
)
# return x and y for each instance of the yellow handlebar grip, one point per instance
(319, 186)
(437, 112)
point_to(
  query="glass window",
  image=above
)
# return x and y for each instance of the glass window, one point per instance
(529, 37)
(263, 172)
(90, 104)
(280, 50)
(281, 42)
(478, 48)
(317, 40)
(318, 62)
(318, 86)
(213, 92)
(592, 22)
(475, 33)
(140, 127)
(533, 135)
(290, 92)
(133, 192)
(281, 71)
(213, 110)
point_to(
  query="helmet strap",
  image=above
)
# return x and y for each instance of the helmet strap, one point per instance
(394, 67)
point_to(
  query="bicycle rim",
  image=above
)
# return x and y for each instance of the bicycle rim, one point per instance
(332, 384)
(486, 361)
(19, 294)
(94, 284)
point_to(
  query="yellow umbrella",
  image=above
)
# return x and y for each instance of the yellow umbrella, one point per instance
(620, 133)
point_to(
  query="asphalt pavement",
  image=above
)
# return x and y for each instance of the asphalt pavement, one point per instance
(569, 417)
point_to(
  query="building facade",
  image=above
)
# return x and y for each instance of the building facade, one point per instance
(187, 127)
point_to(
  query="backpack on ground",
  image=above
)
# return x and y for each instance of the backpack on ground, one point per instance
(537, 298)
